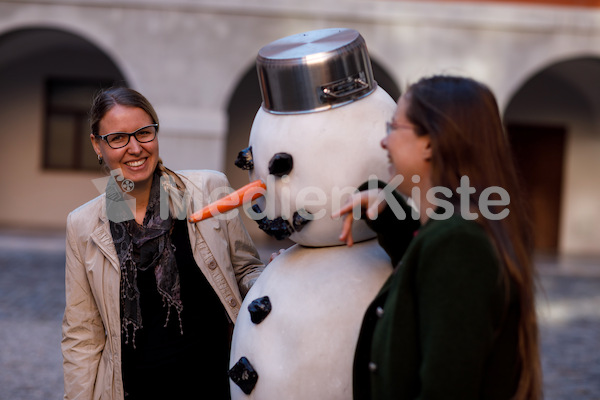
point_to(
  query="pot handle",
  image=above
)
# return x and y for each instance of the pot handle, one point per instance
(344, 88)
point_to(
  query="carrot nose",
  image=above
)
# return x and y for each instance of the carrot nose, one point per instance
(245, 194)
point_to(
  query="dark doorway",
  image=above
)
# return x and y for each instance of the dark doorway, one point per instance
(539, 153)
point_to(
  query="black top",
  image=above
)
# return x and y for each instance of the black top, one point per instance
(166, 364)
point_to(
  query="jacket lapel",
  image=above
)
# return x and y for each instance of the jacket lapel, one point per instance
(102, 237)
(206, 228)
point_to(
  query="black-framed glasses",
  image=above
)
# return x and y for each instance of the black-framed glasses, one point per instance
(117, 140)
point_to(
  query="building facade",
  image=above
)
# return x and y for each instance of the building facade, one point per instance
(195, 61)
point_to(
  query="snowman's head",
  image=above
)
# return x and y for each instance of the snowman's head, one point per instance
(312, 162)
(317, 135)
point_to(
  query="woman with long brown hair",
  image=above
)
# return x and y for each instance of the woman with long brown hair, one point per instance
(457, 319)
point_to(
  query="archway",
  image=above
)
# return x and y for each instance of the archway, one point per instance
(551, 122)
(48, 78)
(64, 71)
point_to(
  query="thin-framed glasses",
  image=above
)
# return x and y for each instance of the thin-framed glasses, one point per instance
(117, 140)
(390, 127)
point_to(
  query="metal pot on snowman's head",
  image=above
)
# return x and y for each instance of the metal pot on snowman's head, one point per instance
(317, 135)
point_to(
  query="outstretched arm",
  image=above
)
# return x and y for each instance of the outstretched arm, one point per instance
(386, 212)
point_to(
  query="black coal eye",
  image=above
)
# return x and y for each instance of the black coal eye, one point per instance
(281, 164)
(244, 159)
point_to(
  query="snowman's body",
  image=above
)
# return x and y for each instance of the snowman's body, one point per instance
(319, 289)
(304, 348)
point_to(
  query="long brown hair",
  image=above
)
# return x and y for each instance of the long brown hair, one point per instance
(467, 138)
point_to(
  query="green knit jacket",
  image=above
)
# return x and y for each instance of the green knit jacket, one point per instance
(441, 327)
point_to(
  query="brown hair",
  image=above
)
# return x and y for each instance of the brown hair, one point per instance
(467, 138)
(106, 99)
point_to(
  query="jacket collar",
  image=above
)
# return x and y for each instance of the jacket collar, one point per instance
(202, 230)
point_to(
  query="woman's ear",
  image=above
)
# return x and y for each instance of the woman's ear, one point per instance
(95, 145)
(426, 146)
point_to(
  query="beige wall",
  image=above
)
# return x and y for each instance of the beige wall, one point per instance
(187, 56)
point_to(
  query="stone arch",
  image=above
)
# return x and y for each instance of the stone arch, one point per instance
(531, 67)
(30, 57)
(76, 29)
(552, 122)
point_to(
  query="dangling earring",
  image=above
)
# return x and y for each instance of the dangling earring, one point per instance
(100, 159)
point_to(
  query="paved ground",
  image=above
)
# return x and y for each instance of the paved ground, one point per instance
(32, 302)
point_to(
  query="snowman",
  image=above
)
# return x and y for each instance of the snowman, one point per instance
(314, 140)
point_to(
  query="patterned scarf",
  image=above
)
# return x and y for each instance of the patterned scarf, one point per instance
(141, 248)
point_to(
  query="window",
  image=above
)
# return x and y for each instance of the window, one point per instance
(67, 133)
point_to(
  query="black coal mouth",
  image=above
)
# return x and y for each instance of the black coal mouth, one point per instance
(280, 228)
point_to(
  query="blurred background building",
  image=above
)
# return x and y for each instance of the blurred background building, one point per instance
(195, 61)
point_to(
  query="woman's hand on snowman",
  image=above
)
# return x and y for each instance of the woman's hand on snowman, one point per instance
(373, 201)
(277, 253)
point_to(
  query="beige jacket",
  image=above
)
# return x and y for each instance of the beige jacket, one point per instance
(91, 340)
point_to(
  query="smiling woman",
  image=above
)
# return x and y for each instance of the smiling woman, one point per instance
(457, 319)
(114, 113)
(124, 276)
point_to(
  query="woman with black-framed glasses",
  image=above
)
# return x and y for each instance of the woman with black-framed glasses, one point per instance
(150, 298)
